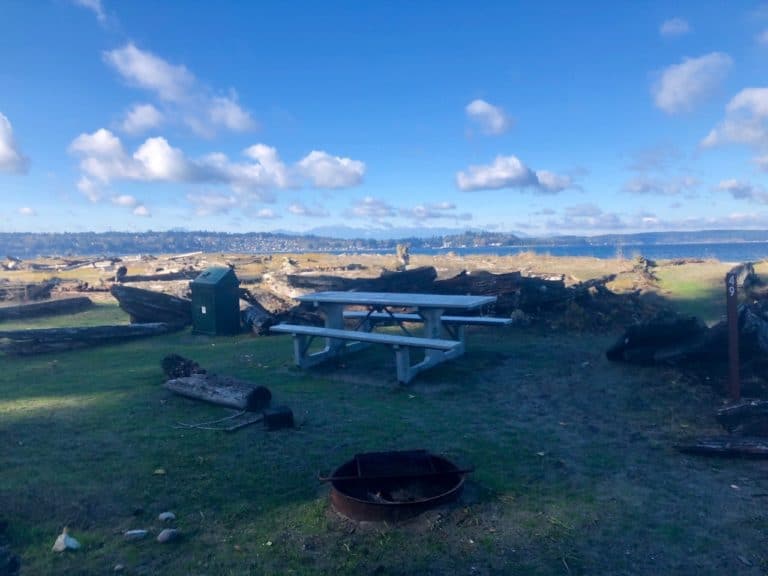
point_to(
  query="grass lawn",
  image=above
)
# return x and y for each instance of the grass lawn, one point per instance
(574, 468)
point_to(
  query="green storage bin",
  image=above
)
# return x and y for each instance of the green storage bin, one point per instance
(216, 302)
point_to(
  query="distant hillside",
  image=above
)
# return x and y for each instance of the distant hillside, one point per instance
(29, 245)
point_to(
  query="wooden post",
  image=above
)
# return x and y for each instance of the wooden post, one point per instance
(731, 299)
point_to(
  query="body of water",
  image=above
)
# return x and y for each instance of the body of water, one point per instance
(725, 252)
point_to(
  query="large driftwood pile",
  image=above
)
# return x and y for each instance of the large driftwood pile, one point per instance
(149, 306)
(415, 280)
(25, 291)
(27, 342)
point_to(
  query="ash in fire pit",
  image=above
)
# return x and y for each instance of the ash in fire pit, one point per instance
(393, 485)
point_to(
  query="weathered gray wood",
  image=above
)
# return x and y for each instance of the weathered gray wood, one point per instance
(727, 446)
(46, 308)
(162, 277)
(221, 390)
(409, 317)
(148, 306)
(414, 280)
(24, 291)
(371, 337)
(27, 342)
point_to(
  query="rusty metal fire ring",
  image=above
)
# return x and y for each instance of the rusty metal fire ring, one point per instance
(391, 486)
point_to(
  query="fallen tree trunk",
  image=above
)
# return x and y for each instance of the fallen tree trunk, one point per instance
(727, 446)
(165, 277)
(46, 308)
(148, 306)
(415, 280)
(221, 390)
(22, 291)
(28, 342)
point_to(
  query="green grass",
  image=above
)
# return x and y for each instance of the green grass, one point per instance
(571, 455)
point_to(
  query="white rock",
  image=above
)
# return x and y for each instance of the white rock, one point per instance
(135, 534)
(168, 535)
(65, 542)
(166, 517)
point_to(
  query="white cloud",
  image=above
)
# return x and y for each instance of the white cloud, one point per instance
(27, 211)
(103, 160)
(185, 99)
(744, 190)
(142, 211)
(11, 159)
(140, 118)
(227, 113)
(674, 27)
(326, 171)
(680, 86)
(125, 200)
(492, 119)
(587, 217)
(95, 6)
(745, 122)
(372, 208)
(434, 211)
(668, 186)
(510, 172)
(266, 214)
(299, 209)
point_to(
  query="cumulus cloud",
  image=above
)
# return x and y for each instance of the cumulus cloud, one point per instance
(103, 160)
(326, 171)
(299, 209)
(125, 200)
(26, 211)
(372, 208)
(183, 96)
(745, 122)
(510, 172)
(674, 27)
(491, 119)
(140, 118)
(587, 217)
(266, 214)
(11, 159)
(142, 211)
(744, 190)
(94, 6)
(681, 86)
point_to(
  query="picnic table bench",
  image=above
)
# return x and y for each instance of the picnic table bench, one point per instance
(442, 337)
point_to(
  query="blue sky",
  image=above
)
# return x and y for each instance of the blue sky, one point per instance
(539, 118)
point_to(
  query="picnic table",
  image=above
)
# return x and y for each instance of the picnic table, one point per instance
(441, 338)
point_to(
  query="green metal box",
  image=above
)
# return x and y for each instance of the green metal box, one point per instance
(216, 302)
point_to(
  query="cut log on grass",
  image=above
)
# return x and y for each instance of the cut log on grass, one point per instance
(46, 308)
(750, 446)
(221, 390)
(28, 342)
(148, 306)
(747, 417)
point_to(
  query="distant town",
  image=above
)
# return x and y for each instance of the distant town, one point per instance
(30, 245)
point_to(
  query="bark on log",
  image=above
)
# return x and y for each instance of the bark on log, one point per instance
(222, 390)
(641, 343)
(148, 306)
(727, 446)
(46, 308)
(746, 418)
(28, 342)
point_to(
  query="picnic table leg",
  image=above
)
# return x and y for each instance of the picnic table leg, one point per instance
(334, 318)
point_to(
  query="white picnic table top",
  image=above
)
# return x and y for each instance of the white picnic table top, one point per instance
(415, 300)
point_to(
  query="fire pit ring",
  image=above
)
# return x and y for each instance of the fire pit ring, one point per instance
(378, 486)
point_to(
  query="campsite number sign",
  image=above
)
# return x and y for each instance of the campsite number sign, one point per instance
(733, 335)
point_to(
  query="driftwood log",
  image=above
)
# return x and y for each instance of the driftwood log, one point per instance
(149, 306)
(164, 277)
(415, 280)
(27, 342)
(46, 308)
(727, 446)
(23, 291)
(221, 390)
(746, 418)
